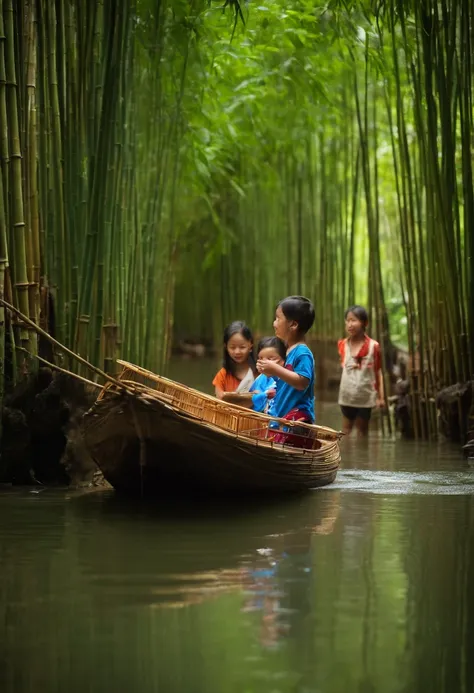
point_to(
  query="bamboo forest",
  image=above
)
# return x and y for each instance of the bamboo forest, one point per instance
(171, 165)
(205, 203)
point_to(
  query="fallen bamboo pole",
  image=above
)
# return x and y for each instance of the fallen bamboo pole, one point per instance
(60, 346)
(91, 383)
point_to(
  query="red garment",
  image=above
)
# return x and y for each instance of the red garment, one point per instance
(363, 352)
(302, 439)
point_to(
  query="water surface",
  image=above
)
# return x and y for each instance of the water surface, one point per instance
(365, 586)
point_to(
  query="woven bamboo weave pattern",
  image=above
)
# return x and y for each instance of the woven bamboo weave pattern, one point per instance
(206, 408)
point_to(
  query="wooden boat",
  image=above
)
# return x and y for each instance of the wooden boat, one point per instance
(154, 436)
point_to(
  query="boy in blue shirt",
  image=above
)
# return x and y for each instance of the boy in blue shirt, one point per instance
(294, 399)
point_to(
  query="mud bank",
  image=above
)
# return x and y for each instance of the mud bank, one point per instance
(456, 407)
(41, 432)
(452, 409)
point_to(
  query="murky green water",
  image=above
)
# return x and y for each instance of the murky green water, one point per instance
(364, 586)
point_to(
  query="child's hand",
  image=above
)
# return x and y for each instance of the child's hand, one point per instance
(266, 366)
(380, 403)
(270, 394)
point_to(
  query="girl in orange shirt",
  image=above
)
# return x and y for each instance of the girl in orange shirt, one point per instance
(239, 369)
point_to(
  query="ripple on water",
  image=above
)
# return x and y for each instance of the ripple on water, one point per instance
(455, 483)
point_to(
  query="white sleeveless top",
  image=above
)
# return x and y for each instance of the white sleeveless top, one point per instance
(358, 379)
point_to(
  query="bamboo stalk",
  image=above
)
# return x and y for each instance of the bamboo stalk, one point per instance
(17, 217)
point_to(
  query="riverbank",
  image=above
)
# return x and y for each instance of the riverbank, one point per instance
(41, 432)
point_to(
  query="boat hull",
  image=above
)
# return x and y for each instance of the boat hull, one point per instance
(149, 448)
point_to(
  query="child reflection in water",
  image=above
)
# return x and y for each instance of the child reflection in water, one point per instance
(263, 595)
(264, 583)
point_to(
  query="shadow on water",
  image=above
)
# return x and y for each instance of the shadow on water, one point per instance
(177, 539)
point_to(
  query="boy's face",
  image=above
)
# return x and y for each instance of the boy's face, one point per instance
(283, 327)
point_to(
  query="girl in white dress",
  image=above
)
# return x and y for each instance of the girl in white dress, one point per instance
(361, 387)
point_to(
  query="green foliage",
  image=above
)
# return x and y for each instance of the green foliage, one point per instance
(336, 158)
(181, 164)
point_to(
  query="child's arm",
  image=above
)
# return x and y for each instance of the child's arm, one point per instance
(262, 384)
(269, 367)
(219, 383)
(259, 401)
(341, 349)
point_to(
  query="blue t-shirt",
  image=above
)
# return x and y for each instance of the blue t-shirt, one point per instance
(262, 384)
(300, 360)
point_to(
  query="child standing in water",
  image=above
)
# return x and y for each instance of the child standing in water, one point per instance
(294, 399)
(238, 372)
(361, 386)
(264, 388)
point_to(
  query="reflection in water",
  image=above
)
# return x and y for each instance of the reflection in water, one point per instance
(263, 577)
(260, 583)
(94, 579)
(367, 585)
(440, 636)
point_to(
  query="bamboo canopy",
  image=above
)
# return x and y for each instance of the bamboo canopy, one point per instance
(167, 167)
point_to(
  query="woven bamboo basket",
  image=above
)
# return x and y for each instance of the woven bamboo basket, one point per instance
(207, 409)
(184, 437)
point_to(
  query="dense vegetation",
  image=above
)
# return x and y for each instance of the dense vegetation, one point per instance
(168, 165)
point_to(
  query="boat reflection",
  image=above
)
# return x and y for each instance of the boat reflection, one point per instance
(243, 559)
(225, 549)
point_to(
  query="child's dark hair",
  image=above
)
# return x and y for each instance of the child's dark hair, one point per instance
(237, 327)
(359, 312)
(272, 343)
(300, 310)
